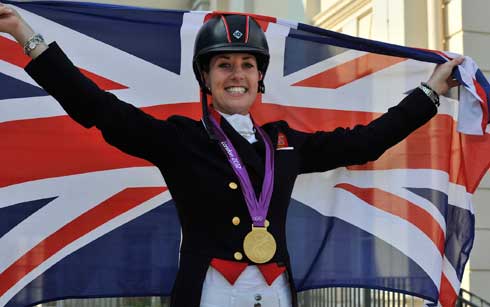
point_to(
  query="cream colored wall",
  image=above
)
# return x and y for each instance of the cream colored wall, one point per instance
(476, 37)
(401, 22)
(415, 23)
(435, 29)
(285, 9)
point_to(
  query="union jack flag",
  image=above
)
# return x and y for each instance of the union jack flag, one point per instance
(79, 218)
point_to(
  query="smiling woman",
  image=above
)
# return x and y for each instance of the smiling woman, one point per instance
(231, 179)
(231, 56)
(233, 80)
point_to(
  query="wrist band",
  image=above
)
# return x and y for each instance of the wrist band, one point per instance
(433, 96)
(32, 43)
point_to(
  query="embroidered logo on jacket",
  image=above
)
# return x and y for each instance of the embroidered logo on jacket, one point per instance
(282, 142)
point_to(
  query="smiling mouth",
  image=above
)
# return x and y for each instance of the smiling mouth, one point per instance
(236, 90)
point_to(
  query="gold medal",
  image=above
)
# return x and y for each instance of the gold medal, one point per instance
(259, 245)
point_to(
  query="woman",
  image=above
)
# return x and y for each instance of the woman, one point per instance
(230, 184)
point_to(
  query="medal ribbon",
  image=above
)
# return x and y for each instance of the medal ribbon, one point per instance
(257, 208)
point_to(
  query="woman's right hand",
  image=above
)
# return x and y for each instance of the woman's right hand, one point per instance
(12, 23)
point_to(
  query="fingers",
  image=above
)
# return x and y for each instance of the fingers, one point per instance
(445, 71)
(441, 79)
(452, 82)
(450, 65)
(458, 60)
(5, 10)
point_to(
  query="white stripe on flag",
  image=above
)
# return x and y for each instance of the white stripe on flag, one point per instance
(81, 192)
(86, 239)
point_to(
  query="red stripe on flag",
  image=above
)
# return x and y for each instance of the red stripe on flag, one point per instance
(53, 147)
(476, 160)
(447, 294)
(51, 138)
(421, 150)
(12, 53)
(436, 145)
(57, 146)
(402, 208)
(85, 223)
(350, 71)
(102, 82)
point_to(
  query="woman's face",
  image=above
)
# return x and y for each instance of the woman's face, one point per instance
(233, 81)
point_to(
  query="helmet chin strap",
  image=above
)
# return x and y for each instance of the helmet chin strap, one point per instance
(205, 115)
(261, 87)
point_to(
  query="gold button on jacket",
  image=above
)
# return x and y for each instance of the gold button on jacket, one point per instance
(238, 256)
(233, 185)
(236, 221)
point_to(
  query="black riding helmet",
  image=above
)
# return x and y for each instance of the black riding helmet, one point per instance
(228, 34)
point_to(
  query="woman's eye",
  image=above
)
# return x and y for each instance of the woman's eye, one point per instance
(224, 65)
(249, 65)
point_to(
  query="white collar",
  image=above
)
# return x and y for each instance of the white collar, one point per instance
(242, 124)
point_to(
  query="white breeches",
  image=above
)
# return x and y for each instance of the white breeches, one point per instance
(249, 290)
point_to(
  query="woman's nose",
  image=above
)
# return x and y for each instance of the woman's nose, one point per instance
(237, 73)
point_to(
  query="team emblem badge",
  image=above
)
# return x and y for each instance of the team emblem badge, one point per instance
(237, 34)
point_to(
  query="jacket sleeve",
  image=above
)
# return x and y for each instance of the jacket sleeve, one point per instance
(122, 125)
(322, 151)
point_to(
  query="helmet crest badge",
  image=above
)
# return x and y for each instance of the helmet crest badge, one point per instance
(237, 34)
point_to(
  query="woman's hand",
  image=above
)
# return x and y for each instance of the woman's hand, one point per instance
(12, 23)
(441, 80)
(9, 19)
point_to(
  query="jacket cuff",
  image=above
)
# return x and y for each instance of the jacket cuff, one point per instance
(418, 106)
(53, 53)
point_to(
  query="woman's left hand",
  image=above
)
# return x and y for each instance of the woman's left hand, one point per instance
(441, 79)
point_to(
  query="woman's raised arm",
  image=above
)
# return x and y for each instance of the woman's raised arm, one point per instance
(122, 125)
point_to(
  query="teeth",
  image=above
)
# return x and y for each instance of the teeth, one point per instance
(236, 89)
